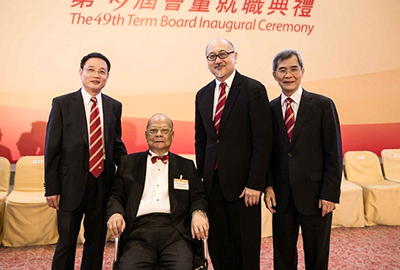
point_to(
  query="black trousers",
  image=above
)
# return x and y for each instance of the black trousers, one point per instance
(315, 232)
(154, 243)
(93, 207)
(235, 232)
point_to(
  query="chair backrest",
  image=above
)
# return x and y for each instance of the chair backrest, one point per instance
(4, 174)
(29, 174)
(391, 163)
(362, 167)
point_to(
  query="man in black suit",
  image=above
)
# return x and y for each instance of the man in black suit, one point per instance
(232, 151)
(158, 204)
(306, 167)
(72, 187)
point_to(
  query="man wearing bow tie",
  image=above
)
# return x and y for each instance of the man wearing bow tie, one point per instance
(158, 205)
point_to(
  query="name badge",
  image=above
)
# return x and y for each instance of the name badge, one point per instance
(181, 184)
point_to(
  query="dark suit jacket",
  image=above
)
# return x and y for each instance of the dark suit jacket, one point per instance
(67, 147)
(243, 145)
(129, 185)
(310, 166)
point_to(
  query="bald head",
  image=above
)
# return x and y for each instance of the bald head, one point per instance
(220, 40)
(160, 117)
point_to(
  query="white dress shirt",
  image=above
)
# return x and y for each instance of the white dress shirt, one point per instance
(155, 198)
(218, 90)
(296, 97)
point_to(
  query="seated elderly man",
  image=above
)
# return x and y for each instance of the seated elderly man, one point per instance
(159, 205)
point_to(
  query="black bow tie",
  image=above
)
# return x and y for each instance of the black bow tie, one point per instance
(164, 159)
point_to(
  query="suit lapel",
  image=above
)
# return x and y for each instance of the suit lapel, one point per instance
(208, 106)
(173, 172)
(306, 104)
(79, 110)
(107, 112)
(139, 177)
(230, 101)
(277, 108)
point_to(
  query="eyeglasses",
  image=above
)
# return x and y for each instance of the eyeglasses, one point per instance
(293, 70)
(91, 72)
(221, 55)
(154, 131)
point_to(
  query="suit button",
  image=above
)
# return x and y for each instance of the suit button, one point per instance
(217, 141)
(290, 155)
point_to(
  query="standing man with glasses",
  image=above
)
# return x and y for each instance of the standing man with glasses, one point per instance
(233, 145)
(306, 167)
(83, 146)
(158, 204)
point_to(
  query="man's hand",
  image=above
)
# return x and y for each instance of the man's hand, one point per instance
(326, 206)
(251, 196)
(200, 225)
(53, 201)
(116, 224)
(269, 199)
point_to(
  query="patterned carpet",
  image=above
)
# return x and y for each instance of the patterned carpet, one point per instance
(369, 248)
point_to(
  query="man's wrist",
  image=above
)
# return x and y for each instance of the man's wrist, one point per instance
(200, 211)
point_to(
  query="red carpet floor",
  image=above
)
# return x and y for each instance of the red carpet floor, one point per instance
(369, 248)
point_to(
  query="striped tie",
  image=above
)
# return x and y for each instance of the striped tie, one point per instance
(289, 118)
(220, 106)
(96, 141)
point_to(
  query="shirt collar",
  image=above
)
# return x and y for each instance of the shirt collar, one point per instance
(296, 96)
(154, 154)
(86, 96)
(228, 81)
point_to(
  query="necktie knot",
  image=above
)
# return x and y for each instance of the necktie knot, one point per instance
(288, 101)
(94, 100)
(222, 86)
(164, 159)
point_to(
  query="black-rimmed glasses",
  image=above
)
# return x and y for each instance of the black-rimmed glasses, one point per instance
(221, 55)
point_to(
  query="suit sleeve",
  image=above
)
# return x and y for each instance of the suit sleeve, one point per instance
(53, 148)
(200, 140)
(261, 127)
(118, 195)
(332, 146)
(198, 200)
(119, 147)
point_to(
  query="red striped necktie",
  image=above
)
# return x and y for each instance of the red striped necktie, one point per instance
(220, 106)
(289, 118)
(96, 159)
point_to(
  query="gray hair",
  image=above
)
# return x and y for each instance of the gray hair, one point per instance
(285, 54)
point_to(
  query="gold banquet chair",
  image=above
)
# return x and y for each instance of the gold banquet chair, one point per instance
(381, 197)
(266, 219)
(28, 220)
(350, 211)
(81, 236)
(4, 186)
(391, 164)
